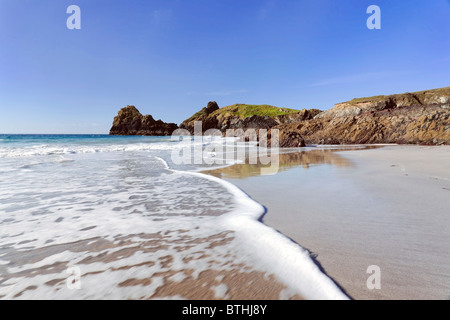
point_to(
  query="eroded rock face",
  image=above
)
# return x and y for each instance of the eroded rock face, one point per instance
(305, 114)
(130, 121)
(214, 118)
(285, 139)
(411, 118)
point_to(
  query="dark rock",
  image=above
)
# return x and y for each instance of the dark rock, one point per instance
(211, 107)
(130, 121)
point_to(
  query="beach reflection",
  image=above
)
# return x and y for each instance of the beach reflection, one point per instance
(288, 160)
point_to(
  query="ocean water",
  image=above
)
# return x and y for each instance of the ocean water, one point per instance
(110, 217)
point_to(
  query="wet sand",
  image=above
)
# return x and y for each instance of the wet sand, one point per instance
(140, 266)
(353, 209)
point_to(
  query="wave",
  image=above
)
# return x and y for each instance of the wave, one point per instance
(140, 197)
(45, 149)
(286, 259)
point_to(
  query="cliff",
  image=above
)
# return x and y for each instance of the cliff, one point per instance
(130, 121)
(409, 118)
(245, 116)
(412, 118)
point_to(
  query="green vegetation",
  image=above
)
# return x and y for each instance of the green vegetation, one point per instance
(441, 91)
(248, 110)
(199, 114)
(367, 99)
(413, 98)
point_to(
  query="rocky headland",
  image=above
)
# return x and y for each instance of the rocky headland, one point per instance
(409, 118)
(130, 122)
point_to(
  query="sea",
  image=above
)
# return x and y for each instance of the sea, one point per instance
(132, 217)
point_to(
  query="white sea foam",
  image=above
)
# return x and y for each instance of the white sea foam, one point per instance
(118, 211)
(220, 291)
(57, 215)
(63, 148)
(46, 150)
(287, 260)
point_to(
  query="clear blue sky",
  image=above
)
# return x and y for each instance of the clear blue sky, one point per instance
(170, 57)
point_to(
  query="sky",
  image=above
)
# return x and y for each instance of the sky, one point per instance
(170, 57)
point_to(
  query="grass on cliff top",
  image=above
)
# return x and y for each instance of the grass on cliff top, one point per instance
(418, 94)
(248, 110)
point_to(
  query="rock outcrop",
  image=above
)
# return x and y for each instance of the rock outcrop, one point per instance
(243, 116)
(211, 107)
(410, 118)
(130, 121)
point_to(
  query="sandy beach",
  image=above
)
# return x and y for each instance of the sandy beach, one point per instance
(353, 209)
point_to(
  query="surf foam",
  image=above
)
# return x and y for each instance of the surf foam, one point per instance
(290, 262)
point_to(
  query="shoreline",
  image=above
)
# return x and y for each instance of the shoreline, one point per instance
(123, 229)
(267, 246)
(302, 278)
(382, 207)
(120, 252)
